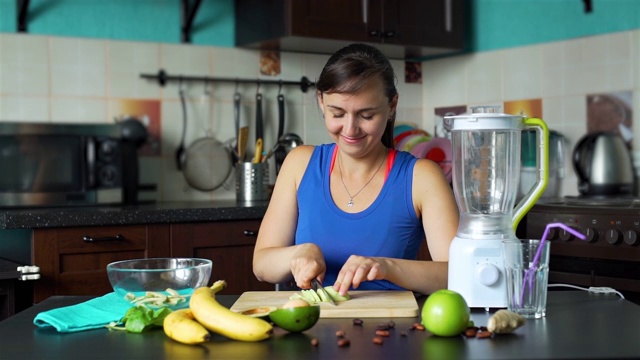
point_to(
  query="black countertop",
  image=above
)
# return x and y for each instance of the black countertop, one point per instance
(155, 213)
(579, 325)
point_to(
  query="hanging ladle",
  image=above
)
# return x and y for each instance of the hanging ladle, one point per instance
(287, 142)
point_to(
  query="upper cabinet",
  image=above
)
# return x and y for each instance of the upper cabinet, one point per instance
(402, 29)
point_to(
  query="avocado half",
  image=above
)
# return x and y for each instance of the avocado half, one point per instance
(259, 312)
(296, 319)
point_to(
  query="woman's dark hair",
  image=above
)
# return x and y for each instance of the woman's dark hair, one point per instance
(349, 68)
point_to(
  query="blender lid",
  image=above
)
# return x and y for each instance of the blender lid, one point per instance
(483, 118)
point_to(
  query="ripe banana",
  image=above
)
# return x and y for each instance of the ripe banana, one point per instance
(217, 318)
(181, 326)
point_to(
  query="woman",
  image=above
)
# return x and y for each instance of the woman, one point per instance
(353, 214)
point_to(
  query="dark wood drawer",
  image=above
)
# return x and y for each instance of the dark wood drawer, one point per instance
(229, 245)
(71, 266)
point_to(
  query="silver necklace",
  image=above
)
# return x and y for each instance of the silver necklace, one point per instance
(350, 203)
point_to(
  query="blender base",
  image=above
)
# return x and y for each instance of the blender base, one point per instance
(476, 271)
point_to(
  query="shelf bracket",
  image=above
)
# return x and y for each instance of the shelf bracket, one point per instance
(22, 7)
(188, 13)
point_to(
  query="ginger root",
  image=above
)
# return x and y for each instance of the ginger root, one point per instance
(504, 322)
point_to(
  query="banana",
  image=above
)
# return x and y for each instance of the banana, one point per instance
(219, 319)
(181, 326)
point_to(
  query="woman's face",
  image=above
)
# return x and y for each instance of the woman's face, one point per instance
(357, 121)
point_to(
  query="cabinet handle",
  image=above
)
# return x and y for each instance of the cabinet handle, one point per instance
(374, 33)
(389, 34)
(90, 239)
(448, 21)
(250, 233)
(365, 11)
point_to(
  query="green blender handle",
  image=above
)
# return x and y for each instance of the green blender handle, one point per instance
(536, 191)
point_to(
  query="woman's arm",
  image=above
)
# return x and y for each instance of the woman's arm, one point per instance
(275, 256)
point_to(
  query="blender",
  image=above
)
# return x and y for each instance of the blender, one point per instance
(486, 148)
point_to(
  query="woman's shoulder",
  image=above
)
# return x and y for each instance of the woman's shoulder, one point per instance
(305, 151)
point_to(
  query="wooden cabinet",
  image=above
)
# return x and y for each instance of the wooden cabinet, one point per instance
(73, 261)
(400, 28)
(228, 244)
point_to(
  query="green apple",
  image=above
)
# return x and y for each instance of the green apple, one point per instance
(445, 313)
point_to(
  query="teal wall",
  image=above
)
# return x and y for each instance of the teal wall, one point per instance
(494, 24)
(137, 20)
(497, 24)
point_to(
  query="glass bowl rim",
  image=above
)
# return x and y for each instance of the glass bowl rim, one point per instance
(114, 266)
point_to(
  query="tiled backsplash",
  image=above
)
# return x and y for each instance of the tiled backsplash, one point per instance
(56, 79)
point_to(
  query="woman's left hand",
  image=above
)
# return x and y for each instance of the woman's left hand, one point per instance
(359, 269)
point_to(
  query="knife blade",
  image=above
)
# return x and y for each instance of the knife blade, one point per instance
(322, 293)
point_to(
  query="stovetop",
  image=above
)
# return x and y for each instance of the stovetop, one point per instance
(593, 201)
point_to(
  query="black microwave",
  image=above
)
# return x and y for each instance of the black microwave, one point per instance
(43, 164)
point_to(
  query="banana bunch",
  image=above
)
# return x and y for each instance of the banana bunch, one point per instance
(205, 313)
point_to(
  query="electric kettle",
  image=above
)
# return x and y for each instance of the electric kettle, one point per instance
(603, 165)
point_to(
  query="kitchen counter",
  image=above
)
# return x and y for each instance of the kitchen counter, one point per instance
(162, 212)
(579, 325)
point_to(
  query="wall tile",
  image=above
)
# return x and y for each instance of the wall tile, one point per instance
(484, 77)
(24, 65)
(24, 108)
(187, 60)
(78, 67)
(521, 73)
(79, 110)
(127, 60)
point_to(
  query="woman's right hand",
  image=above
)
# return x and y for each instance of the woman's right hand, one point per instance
(307, 264)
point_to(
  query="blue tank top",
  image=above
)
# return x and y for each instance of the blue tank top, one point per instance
(388, 228)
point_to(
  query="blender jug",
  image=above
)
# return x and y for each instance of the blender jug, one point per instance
(486, 172)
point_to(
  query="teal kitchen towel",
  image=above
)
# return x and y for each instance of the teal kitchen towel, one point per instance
(92, 314)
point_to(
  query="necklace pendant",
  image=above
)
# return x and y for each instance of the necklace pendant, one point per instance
(350, 203)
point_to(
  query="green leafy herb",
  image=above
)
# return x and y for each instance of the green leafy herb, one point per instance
(139, 318)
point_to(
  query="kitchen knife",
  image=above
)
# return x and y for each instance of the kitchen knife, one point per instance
(322, 293)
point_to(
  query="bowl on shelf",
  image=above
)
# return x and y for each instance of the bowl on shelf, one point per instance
(159, 282)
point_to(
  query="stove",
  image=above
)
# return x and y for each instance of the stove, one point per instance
(610, 256)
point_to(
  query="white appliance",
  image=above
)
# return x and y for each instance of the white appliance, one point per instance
(486, 171)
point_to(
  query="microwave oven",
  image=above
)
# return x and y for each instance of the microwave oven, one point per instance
(45, 164)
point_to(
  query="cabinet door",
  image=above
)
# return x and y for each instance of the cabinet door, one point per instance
(435, 23)
(333, 19)
(228, 244)
(71, 264)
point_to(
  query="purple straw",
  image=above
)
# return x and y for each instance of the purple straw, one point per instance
(528, 275)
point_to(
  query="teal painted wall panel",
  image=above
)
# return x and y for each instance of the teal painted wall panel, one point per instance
(494, 24)
(497, 24)
(137, 20)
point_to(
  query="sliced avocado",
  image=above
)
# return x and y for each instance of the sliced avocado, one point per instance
(324, 297)
(335, 295)
(307, 295)
(314, 294)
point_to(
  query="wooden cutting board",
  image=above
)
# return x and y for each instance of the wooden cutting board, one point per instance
(364, 303)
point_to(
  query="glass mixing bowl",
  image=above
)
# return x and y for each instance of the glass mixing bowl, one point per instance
(159, 282)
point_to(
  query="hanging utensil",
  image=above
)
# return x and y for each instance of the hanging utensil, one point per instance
(207, 162)
(180, 152)
(279, 151)
(242, 130)
(259, 130)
